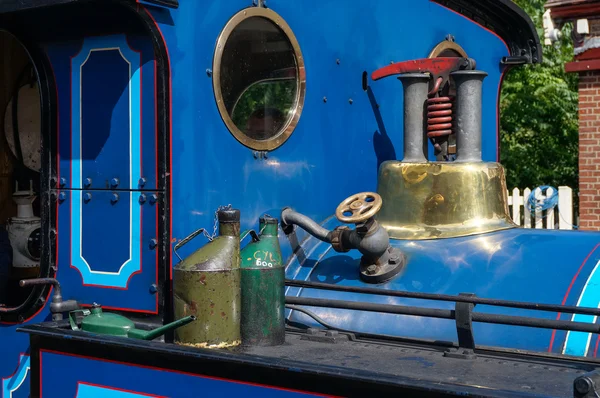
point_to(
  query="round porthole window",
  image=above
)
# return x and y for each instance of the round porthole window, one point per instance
(259, 78)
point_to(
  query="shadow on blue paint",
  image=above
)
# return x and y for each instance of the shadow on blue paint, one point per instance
(382, 144)
(336, 269)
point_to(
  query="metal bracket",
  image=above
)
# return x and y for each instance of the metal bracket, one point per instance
(260, 155)
(463, 314)
(515, 60)
(329, 336)
(587, 385)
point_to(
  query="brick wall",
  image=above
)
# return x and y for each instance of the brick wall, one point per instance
(589, 150)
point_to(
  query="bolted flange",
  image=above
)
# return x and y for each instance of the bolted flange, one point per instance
(388, 266)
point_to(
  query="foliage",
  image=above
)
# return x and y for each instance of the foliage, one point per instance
(279, 94)
(539, 121)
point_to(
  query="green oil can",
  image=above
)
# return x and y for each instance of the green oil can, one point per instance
(207, 285)
(263, 295)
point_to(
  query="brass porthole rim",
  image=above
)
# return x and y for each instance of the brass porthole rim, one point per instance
(447, 45)
(285, 133)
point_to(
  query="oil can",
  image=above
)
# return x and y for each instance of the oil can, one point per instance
(207, 285)
(263, 296)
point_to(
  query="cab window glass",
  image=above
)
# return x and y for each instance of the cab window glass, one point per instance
(264, 108)
(259, 86)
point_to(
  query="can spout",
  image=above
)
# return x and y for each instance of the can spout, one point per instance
(152, 334)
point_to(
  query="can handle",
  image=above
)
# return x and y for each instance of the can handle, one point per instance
(73, 318)
(251, 232)
(186, 240)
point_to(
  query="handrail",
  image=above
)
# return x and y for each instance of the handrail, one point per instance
(445, 297)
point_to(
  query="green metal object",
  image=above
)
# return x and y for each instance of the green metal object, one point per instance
(263, 288)
(207, 285)
(96, 321)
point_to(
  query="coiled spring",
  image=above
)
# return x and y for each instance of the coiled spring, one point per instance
(439, 116)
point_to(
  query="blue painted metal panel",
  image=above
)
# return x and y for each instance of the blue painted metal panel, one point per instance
(91, 378)
(16, 385)
(108, 129)
(103, 124)
(118, 120)
(15, 369)
(337, 146)
(117, 265)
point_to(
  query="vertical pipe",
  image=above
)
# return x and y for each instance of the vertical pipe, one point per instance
(469, 85)
(416, 87)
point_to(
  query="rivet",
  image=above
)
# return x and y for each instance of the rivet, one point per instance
(114, 182)
(62, 196)
(350, 101)
(87, 197)
(142, 199)
(209, 72)
(53, 181)
(324, 99)
(87, 182)
(142, 182)
(153, 199)
(153, 289)
(337, 61)
(153, 244)
(63, 181)
(114, 198)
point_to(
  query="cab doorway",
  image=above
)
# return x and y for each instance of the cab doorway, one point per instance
(20, 171)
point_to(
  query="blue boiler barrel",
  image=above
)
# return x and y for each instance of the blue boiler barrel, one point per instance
(529, 265)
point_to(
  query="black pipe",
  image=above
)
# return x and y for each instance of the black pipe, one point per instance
(444, 297)
(444, 314)
(289, 218)
(371, 307)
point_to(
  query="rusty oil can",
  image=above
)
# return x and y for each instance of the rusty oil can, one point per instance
(263, 284)
(207, 285)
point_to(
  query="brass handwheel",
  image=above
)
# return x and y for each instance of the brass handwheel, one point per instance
(359, 207)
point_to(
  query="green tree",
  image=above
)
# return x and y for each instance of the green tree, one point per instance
(538, 115)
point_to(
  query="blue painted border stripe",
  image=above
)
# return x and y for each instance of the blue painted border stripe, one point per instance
(578, 343)
(92, 391)
(13, 383)
(101, 278)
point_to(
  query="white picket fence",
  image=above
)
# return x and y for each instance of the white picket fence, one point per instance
(549, 219)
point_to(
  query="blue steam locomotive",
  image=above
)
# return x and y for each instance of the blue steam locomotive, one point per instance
(359, 140)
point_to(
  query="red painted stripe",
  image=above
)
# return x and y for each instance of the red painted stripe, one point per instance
(569, 291)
